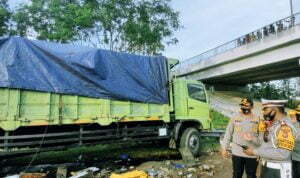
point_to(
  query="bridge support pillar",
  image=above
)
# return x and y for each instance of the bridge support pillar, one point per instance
(298, 84)
(298, 87)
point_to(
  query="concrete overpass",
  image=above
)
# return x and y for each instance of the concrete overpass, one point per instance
(269, 53)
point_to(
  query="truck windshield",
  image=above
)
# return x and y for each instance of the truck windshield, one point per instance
(196, 92)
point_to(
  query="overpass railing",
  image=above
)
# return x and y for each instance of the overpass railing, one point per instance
(257, 35)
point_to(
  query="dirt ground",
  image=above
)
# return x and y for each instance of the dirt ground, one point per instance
(221, 167)
(206, 166)
(153, 160)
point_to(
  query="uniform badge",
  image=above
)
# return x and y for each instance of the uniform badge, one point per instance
(285, 138)
(262, 127)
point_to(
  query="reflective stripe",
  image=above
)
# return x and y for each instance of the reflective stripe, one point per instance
(273, 165)
(285, 168)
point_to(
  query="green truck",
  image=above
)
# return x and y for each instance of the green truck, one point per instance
(25, 115)
(34, 119)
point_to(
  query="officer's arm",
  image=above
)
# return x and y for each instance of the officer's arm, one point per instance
(260, 133)
(272, 153)
(228, 135)
(256, 139)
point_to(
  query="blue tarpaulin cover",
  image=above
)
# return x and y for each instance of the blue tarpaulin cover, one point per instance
(69, 69)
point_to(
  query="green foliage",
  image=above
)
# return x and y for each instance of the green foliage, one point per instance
(53, 20)
(209, 144)
(274, 90)
(139, 26)
(219, 121)
(4, 17)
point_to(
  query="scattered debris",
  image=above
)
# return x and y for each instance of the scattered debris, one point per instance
(179, 166)
(152, 172)
(84, 172)
(33, 175)
(104, 173)
(61, 172)
(211, 173)
(13, 176)
(192, 169)
(164, 169)
(131, 174)
(125, 167)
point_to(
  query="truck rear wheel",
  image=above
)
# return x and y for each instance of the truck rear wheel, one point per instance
(190, 139)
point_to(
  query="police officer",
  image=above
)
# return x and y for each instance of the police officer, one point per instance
(278, 141)
(243, 125)
(295, 117)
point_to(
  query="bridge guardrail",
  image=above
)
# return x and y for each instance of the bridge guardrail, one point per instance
(256, 35)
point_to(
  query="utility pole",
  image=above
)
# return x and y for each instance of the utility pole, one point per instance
(298, 83)
(292, 13)
(298, 87)
(291, 8)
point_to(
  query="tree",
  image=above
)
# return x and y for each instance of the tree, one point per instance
(138, 26)
(53, 20)
(4, 17)
(275, 90)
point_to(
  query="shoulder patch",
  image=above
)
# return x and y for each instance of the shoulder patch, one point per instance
(262, 126)
(285, 138)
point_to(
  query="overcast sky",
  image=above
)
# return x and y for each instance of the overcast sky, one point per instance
(209, 23)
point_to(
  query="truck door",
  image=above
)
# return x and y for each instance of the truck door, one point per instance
(198, 107)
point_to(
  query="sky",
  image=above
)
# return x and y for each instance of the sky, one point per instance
(210, 23)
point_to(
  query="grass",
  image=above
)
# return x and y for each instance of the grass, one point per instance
(219, 121)
(209, 144)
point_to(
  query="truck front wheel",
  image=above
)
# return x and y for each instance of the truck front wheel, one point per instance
(190, 139)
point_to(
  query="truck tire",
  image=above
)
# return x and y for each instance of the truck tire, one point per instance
(190, 139)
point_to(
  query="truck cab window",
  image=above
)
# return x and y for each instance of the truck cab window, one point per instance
(196, 92)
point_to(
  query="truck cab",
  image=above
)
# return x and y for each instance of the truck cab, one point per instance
(191, 102)
(190, 113)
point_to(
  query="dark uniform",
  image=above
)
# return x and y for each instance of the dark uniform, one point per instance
(233, 139)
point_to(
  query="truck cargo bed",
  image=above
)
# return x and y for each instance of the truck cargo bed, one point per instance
(31, 108)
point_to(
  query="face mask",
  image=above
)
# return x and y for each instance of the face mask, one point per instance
(266, 136)
(270, 116)
(245, 111)
(298, 117)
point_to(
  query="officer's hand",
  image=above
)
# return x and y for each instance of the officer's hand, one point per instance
(224, 153)
(247, 137)
(249, 151)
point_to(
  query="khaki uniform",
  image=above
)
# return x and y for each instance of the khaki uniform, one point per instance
(276, 152)
(237, 126)
(296, 151)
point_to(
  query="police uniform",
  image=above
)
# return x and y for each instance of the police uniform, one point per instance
(296, 152)
(275, 151)
(234, 140)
